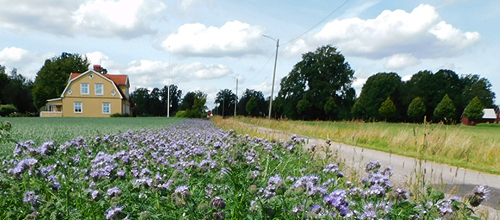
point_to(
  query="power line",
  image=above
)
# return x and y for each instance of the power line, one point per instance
(317, 23)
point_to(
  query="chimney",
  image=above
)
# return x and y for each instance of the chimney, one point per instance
(97, 68)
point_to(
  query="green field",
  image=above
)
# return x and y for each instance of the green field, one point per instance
(61, 130)
(476, 148)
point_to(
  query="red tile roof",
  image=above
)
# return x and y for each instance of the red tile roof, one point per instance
(118, 79)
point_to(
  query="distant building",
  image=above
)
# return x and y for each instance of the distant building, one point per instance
(91, 94)
(490, 116)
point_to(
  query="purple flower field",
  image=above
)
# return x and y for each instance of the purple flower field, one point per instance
(194, 170)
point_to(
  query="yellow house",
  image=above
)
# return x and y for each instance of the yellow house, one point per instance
(91, 94)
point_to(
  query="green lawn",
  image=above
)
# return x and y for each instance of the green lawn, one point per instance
(471, 147)
(61, 130)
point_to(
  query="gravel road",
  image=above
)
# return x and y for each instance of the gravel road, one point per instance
(453, 180)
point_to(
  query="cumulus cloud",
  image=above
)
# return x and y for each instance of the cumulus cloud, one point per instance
(46, 16)
(147, 73)
(128, 18)
(101, 18)
(12, 54)
(421, 33)
(401, 61)
(232, 39)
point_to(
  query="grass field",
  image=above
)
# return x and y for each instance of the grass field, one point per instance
(476, 148)
(61, 130)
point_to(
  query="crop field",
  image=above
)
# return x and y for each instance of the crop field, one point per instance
(476, 148)
(191, 169)
(61, 130)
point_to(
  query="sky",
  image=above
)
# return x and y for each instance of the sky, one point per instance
(207, 44)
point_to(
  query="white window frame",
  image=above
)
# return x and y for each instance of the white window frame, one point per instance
(82, 86)
(108, 107)
(75, 104)
(102, 89)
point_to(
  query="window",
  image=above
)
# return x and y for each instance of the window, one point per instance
(106, 107)
(99, 89)
(78, 107)
(84, 88)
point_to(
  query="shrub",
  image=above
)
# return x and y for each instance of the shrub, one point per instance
(118, 115)
(7, 110)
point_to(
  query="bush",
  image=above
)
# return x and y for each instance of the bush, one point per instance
(119, 115)
(17, 114)
(7, 110)
(190, 113)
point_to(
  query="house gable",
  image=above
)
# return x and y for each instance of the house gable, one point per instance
(93, 76)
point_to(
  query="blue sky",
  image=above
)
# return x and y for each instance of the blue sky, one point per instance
(206, 44)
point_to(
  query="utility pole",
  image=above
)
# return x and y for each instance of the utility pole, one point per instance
(274, 74)
(168, 85)
(236, 98)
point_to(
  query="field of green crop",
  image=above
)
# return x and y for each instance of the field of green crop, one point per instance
(195, 170)
(61, 130)
(473, 147)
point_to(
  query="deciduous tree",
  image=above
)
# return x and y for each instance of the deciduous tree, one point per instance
(374, 93)
(53, 76)
(416, 109)
(320, 75)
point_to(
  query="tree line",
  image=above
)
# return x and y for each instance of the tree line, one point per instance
(319, 87)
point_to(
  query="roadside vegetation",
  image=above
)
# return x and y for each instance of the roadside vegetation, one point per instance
(195, 170)
(476, 148)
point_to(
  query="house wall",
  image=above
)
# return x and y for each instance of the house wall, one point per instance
(91, 106)
(91, 103)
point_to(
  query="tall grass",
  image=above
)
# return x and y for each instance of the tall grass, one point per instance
(476, 148)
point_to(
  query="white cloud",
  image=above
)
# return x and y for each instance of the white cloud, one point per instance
(421, 33)
(401, 61)
(126, 18)
(232, 39)
(12, 54)
(102, 18)
(148, 73)
(198, 70)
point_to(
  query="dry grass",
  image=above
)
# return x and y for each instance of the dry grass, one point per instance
(476, 148)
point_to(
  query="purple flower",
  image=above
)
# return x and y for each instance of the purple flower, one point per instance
(372, 166)
(479, 194)
(115, 191)
(331, 168)
(114, 212)
(30, 197)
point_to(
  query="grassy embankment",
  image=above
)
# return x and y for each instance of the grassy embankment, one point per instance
(476, 148)
(61, 130)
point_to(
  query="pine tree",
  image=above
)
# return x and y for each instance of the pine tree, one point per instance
(387, 110)
(474, 111)
(416, 109)
(445, 110)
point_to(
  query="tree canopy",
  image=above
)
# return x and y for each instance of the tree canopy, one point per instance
(474, 110)
(374, 93)
(445, 110)
(319, 76)
(226, 100)
(387, 109)
(53, 76)
(416, 110)
(15, 89)
(261, 104)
